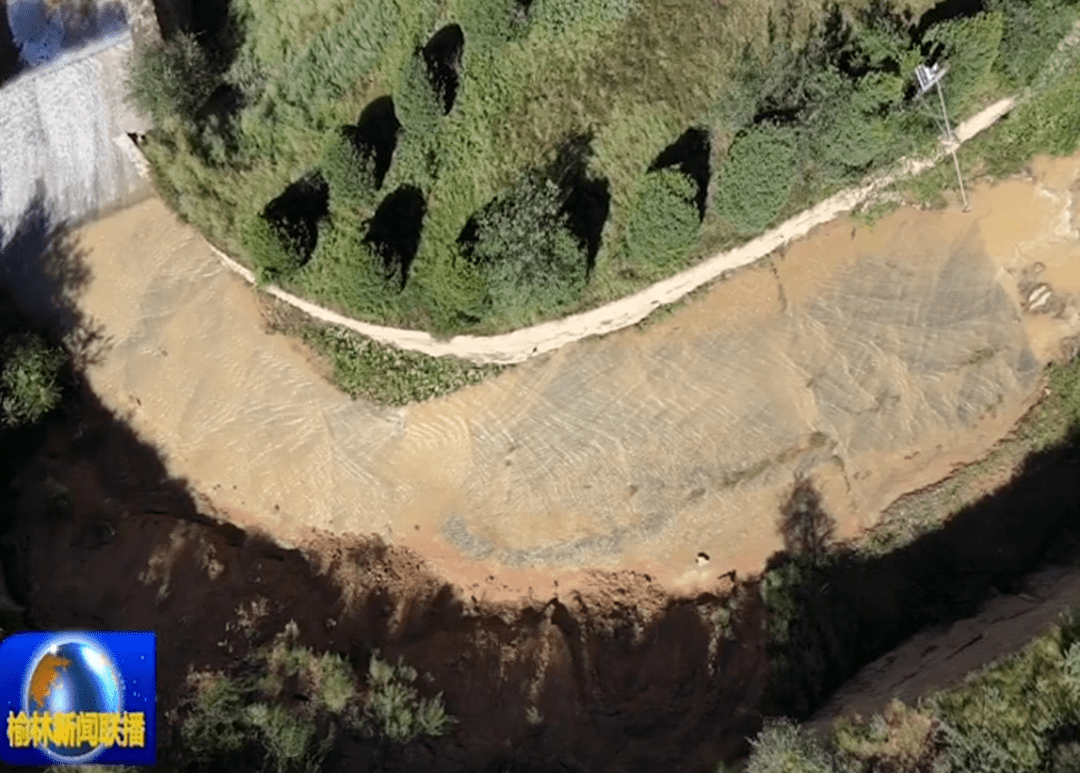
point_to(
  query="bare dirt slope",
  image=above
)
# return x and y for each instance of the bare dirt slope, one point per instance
(937, 659)
(871, 361)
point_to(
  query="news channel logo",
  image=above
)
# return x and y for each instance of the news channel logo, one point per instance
(78, 698)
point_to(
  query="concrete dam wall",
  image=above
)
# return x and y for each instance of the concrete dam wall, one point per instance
(65, 155)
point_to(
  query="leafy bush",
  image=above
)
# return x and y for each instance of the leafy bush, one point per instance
(970, 46)
(530, 260)
(349, 170)
(215, 726)
(171, 80)
(1032, 29)
(417, 103)
(276, 251)
(854, 131)
(1002, 722)
(395, 707)
(289, 738)
(899, 740)
(490, 24)
(29, 379)
(1049, 122)
(783, 747)
(663, 223)
(757, 176)
(347, 273)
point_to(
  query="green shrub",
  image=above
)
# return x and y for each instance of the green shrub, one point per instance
(347, 273)
(783, 747)
(1049, 123)
(349, 170)
(288, 737)
(29, 379)
(663, 223)
(490, 24)
(854, 131)
(970, 46)
(1002, 721)
(171, 79)
(275, 251)
(530, 260)
(395, 707)
(417, 102)
(757, 176)
(215, 727)
(1032, 30)
(455, 292)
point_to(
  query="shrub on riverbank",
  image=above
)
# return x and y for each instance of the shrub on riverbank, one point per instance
(801, 100)
(171, 80)
(757, 177)
(1017, 715)
(349, 171)
(664, 221)
(276, 251)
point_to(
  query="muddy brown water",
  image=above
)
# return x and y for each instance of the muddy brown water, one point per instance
(871, 360)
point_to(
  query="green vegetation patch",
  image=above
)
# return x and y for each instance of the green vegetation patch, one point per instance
(757, 177)
(287, 707)
(1020, 714)
(390, 376)
(30, 371)
(452, 103)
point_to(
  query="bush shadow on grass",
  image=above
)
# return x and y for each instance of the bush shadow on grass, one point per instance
(442, 55)
(299, 209)
(834, 610)
(394, 230)
(690, 155)
(218, 30)
(377, 128)
(587, 198)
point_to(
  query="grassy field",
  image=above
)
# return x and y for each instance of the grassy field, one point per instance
(454, 106)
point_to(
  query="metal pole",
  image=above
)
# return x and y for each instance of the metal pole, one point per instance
(952, 147)
(948, 129)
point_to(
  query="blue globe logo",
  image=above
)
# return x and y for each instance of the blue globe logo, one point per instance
(72, 675)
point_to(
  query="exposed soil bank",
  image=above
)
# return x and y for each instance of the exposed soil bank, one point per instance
(869, 360)
(620, 676)
(941, 657)
(615, 674)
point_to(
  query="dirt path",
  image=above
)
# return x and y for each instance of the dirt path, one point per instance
(523, 344)
(869, 360)
(938, 659)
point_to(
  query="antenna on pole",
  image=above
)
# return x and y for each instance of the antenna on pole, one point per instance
(928, 78)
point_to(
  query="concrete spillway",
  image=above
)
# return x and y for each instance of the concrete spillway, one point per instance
(64, 155)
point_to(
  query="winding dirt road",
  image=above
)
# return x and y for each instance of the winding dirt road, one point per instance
(523, 344)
